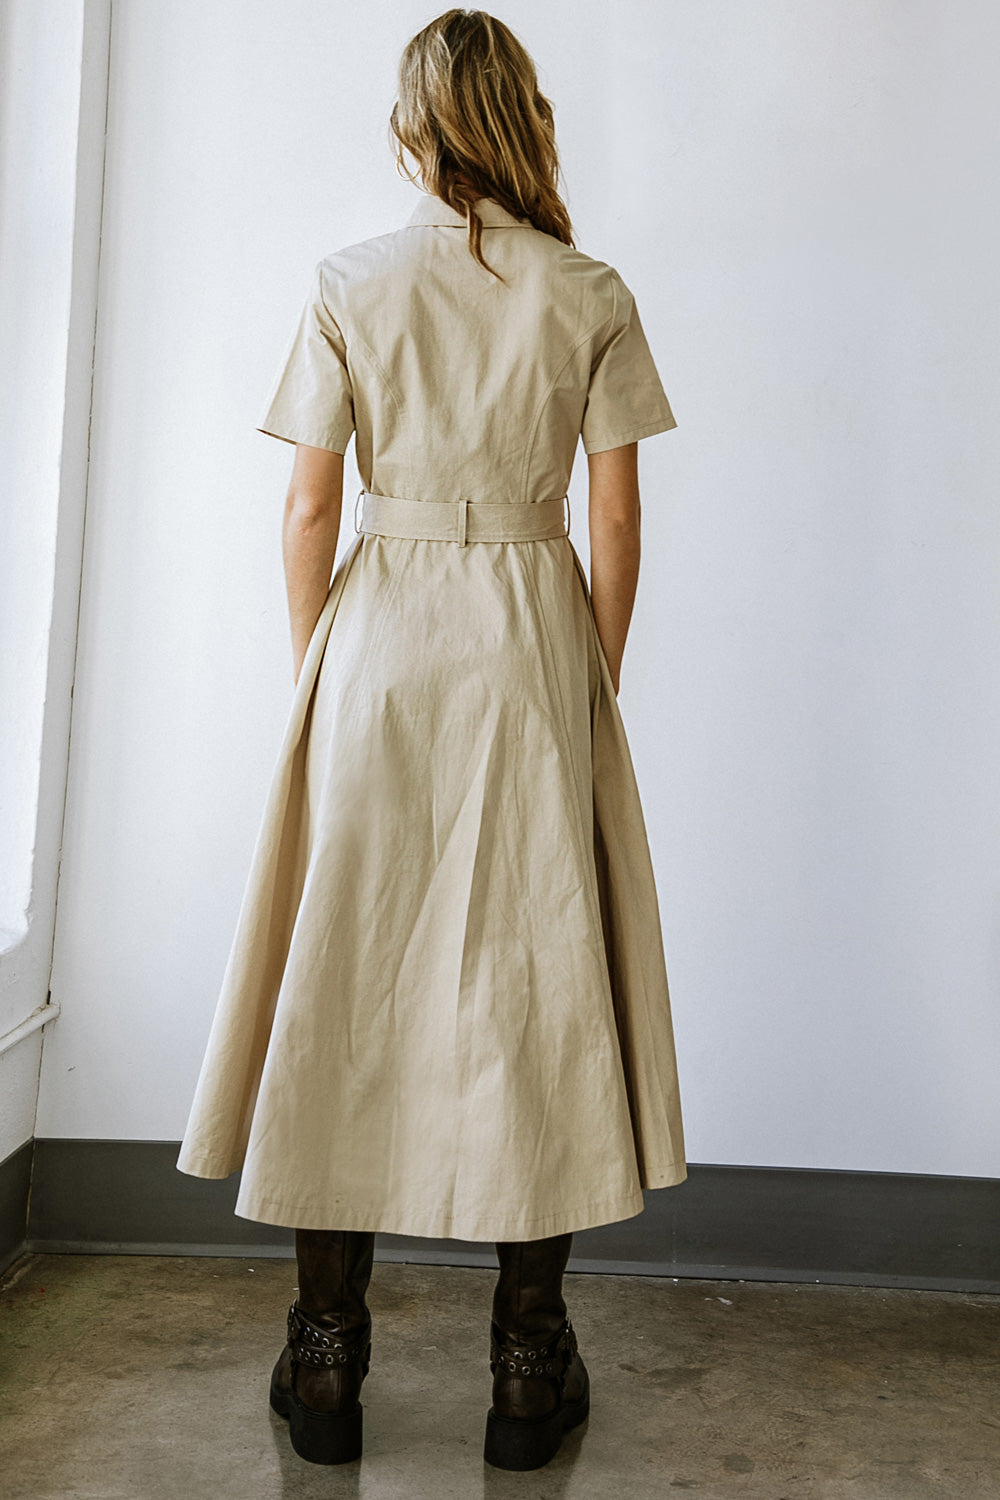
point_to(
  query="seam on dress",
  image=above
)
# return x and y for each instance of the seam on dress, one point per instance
(366, 348)
(595, 708)
(614, 310)
(396, 400)
(631, 434)
(374, 635)
(290, 435)
(555, 692)
(338, 323)
(546, 398)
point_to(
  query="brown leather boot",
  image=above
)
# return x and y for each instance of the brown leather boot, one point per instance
(540, 1384)
(317, 1380)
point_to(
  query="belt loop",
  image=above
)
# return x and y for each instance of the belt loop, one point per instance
(463, 513)
(357, 528)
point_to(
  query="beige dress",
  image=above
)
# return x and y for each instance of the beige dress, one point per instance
(445, 1010)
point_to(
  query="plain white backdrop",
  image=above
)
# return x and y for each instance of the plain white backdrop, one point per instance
(802, 198)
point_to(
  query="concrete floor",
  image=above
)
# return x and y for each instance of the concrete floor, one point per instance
(145, 1378)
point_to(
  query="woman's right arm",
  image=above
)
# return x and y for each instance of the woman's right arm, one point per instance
(614, 515)
(310, 530)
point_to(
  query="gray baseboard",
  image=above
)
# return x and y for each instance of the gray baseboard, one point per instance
(724, 1222)
(15, 1184)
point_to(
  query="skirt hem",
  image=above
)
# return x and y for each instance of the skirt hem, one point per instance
(431, 1225)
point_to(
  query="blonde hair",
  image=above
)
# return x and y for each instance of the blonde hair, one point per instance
(471, 115)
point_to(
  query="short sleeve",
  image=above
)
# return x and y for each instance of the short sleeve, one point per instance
(625, 399)
(311, 400)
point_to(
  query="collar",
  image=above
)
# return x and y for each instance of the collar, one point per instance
(434, 210)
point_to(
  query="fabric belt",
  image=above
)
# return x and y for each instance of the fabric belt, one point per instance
(461, 520)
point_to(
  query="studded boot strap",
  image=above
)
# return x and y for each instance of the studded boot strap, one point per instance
(532, 1358)
(322, 1348)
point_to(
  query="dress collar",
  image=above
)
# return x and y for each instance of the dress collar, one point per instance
(434, 210)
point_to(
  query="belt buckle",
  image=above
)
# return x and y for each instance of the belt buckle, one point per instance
(568, 515)
(357, 528)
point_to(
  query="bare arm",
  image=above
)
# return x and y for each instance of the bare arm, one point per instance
(614, 547)
(309, 539)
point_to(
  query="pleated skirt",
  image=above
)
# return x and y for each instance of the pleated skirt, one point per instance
(445, 1010)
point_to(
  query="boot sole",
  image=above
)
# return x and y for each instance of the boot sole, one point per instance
(528, 1443)
(320, 1437)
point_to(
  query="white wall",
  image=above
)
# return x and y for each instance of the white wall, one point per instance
(53, 91)
(802, 197)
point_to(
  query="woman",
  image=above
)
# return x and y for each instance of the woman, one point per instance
(445, 1011)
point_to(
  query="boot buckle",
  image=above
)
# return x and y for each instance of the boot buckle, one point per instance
(323, 1348)
(552, 1358)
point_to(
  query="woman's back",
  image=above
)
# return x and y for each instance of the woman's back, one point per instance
(460, 385)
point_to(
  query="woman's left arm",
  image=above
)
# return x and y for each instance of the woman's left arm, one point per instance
(309, 539)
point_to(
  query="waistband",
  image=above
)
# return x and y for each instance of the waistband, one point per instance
(461, 520)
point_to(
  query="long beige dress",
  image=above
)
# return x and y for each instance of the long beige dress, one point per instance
(445, 1010)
